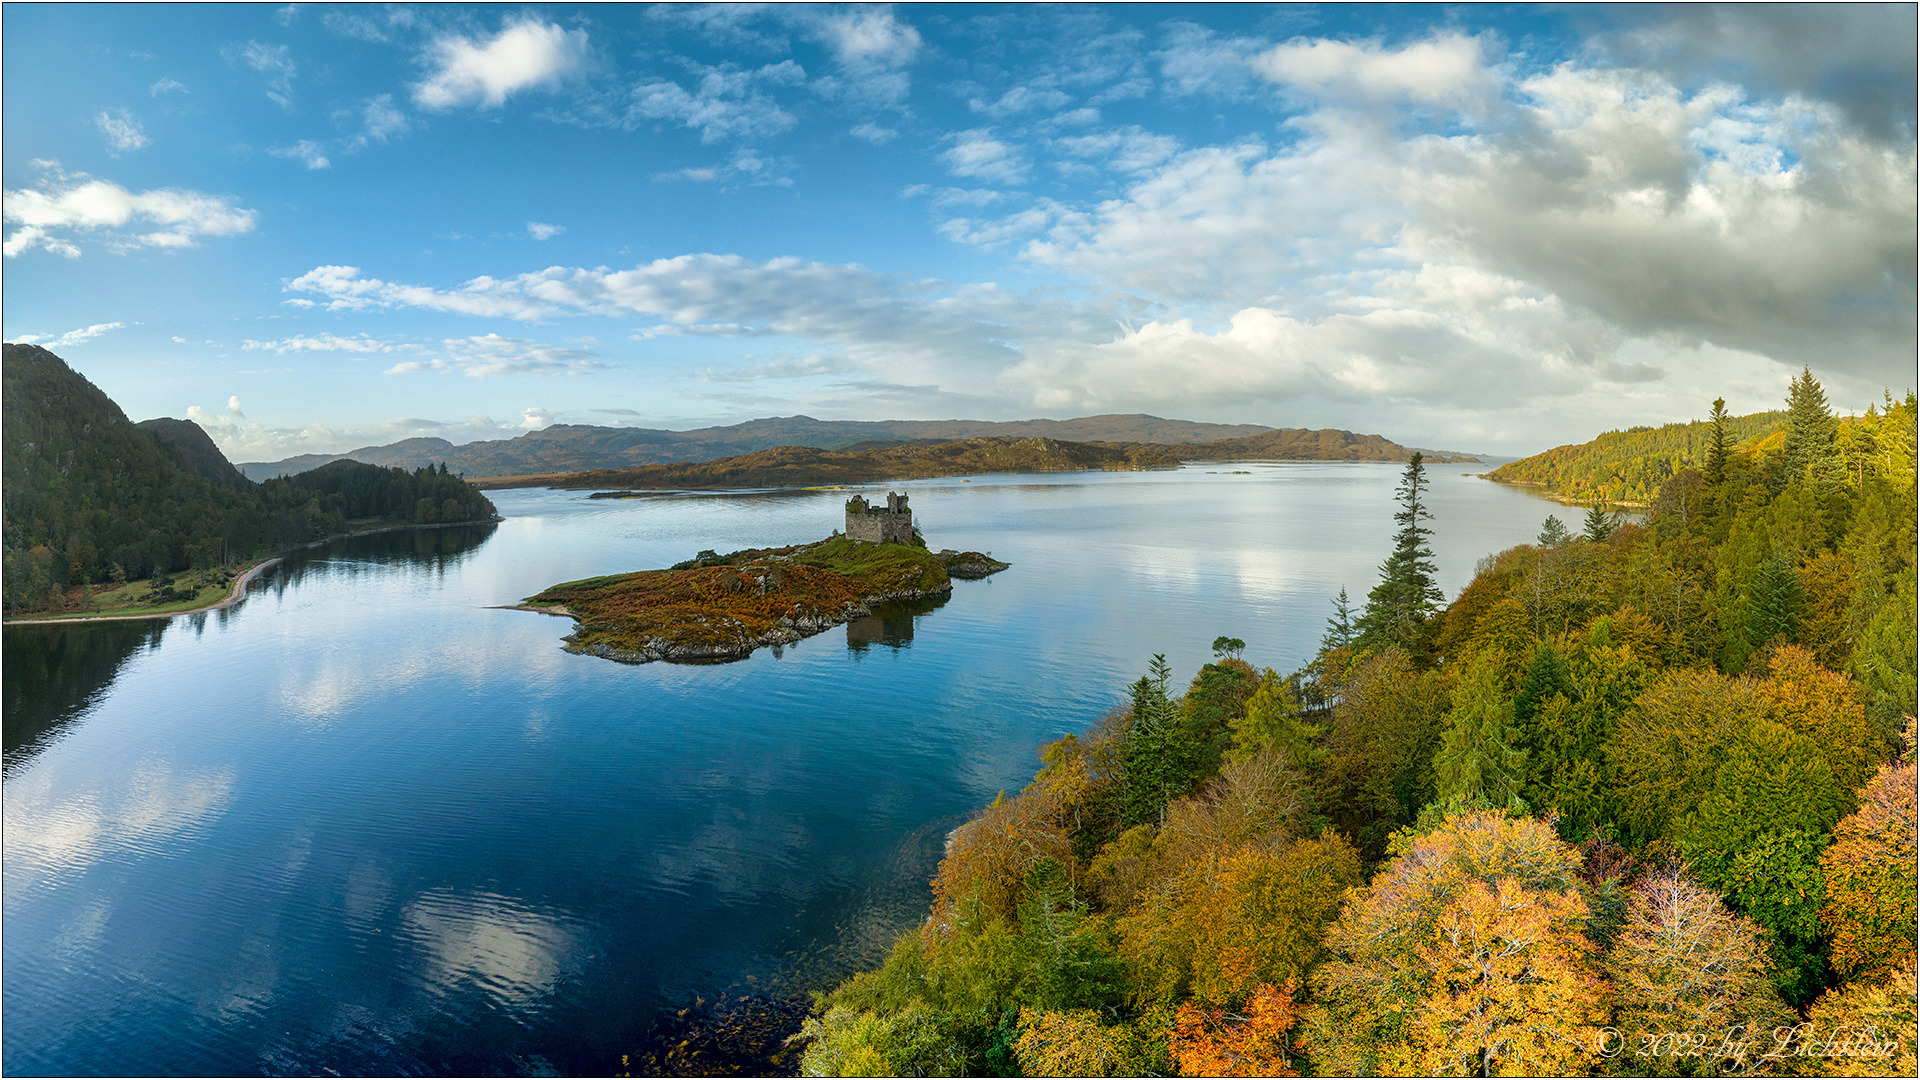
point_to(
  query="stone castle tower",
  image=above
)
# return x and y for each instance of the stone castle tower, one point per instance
(874, 525)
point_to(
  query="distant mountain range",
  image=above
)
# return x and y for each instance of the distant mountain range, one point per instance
(576, 448)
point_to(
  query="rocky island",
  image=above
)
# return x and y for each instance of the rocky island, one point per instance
(722, 607)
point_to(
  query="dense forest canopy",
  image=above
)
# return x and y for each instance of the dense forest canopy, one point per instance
(88, 496)
(1640, 800)
(1629, 466)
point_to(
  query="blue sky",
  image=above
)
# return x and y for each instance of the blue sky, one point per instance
(1494, 228)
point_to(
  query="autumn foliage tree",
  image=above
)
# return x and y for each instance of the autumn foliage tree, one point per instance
(1684, 963)
(1466, 955)
(1253, 1042)
(1870, 878)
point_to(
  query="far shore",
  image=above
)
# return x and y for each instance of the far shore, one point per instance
(240, 583)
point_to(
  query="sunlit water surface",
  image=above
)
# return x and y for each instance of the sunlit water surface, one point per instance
(363, 822)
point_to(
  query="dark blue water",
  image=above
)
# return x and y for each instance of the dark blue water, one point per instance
(363, 823)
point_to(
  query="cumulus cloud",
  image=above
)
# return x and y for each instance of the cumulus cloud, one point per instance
(122, 129)
(979, 155)
(868, 37)
(1449, 67)
(524, 55)
(167, 86)
(1127, 149)
(47, 216)
(871, 48)
(726, 102)
(540, 230)
(874, 133)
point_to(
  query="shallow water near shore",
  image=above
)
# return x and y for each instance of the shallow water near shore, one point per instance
(364, 822)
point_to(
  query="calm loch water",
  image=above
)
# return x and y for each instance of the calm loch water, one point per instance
(364, 823)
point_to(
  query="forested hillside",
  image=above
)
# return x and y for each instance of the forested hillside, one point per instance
(1638, 801)
(89, 497)
(1629, 466)
(565, 448)
(796, 466)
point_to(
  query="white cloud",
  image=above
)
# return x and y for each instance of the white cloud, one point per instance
(868, 37)
(489, 355)
(67, 202)
(524, 55)
(122, 130)
(542, 231)
(872, 50)
(1128, 149)
(1447, 68)
(979, 155)
(71, 337)
(725, 103)
(381, 121)
(1020, 99)
(1195, 60)
(320, 343)
(306, 151)
(277, 64)
(535, 418)
(167, 86)
(874, 133)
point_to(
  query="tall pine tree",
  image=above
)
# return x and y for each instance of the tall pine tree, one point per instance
(1718, 445)
(1406, 597)
(1812, 455)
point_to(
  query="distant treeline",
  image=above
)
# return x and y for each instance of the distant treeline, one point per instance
(91, 497)
(1629, 466)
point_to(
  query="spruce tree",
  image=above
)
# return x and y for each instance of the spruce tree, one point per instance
(1598, 526)
(1480, 755)
(1406, 596)
(1152, 758)
(1812, 455)
(1717, 443)
(1553, 532)
(1340, 628)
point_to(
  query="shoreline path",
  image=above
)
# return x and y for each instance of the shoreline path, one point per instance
(234, 595)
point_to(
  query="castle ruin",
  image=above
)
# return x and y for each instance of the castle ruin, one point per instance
(892, 524)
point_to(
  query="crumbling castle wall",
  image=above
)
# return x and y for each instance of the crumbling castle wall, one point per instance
(889, 524)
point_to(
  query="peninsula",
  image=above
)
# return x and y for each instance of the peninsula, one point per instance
(716, 607)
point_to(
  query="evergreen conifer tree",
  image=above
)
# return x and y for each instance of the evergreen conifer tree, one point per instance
(1479, 755)
(1553, 532)
(1152, 755)
(1812, 455)
(1340, 628)
(1717, 443)
(1406, 596)
(1599, 524)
